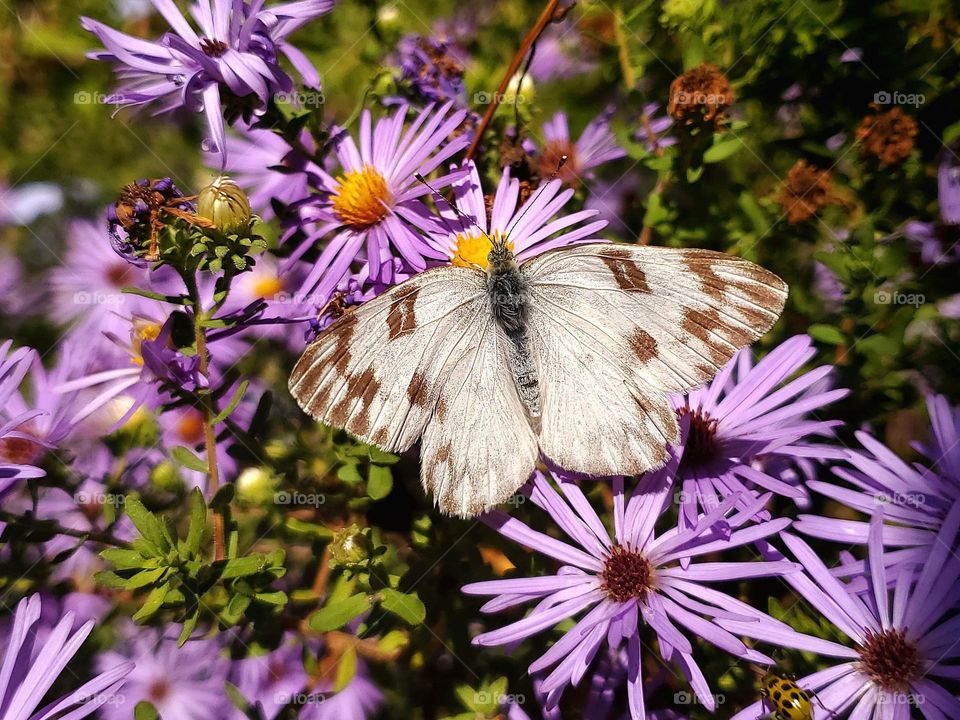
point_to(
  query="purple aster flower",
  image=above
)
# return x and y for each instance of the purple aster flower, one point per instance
(936, 244)
(651, 129)
(21, 298)
(271, 171)
(749, 427)
(275, 679)
(637, 576)
(87, 288)
(185, 683)
(236, 49)
(371, 205)
(432, 68)
(828, 287)
(595, 146)
(948, 187)
(560, 54)
(17, 447)
(25, 204)
(28, 669)
(530, 228)
(903, 632)
(613, 201)
(915, 497)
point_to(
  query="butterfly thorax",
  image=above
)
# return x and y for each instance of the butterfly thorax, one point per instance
(508, 294)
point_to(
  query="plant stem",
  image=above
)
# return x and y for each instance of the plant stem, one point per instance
(531, 37)
(209, 412)
(52, 526)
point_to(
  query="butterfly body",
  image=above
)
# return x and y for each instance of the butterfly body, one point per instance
(569, 355)
(509, 295)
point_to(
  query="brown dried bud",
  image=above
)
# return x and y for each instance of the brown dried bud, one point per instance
(889, 136)
(699, 97)
(805, 192)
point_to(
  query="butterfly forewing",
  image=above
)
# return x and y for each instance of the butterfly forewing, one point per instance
(378, 370)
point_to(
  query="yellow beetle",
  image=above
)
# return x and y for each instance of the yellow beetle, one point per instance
(789, 700)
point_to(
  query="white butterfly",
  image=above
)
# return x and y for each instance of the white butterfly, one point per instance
(570, 354)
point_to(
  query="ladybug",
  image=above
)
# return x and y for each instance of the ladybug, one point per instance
(789, 700)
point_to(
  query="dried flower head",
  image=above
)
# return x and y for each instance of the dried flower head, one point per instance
(888, 136)
(700, 96)
(805, 192)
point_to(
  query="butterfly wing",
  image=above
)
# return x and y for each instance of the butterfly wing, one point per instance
(616, 327)
(479, 447)
(378, 370)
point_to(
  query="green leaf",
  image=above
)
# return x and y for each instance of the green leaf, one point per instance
(123, 559)
(232, 405)
(188, 459)
(243, 567)
(172, 299)
(350, 474)
(224, 496)
(198, 521)
(406, 606)
(145, 578)
(721, 150)
(278, 598)
(346, 668)
(379, 482)
(337, 614)
(152, 604)
(109, 579)
(827, 334)
(145, 711)
(188, 627)
(148, 524)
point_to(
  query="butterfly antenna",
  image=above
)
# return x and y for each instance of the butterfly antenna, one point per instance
(453, 206)
(529, 203)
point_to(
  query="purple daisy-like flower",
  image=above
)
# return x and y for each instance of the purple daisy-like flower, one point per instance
(25, 204)
(651, 129)
(28, 669)
(432, 68)
(263, 163)
(904, 631)
(17, 448)
(185, 683)
(595, 146)
(914, 498)
(638, 576)
(936, 244)
(371, 204)
(751, 428)
(948, 187)
(236, 48)
(464, 238)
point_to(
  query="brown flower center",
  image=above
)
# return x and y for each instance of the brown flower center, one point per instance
(702, 445)
(21, 451)
(626, 575)
(551, 164)
(213, 48)
(891, 659)
(158, 691)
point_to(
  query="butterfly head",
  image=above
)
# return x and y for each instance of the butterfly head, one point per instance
(500, 258)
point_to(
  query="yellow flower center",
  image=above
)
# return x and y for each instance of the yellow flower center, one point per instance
(267, 288)
(190, 427)
(472, 249)
(363, 198)
(143, 330)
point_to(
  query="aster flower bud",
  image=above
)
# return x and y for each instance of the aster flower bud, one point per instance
(256, 486)
(350, 546)
(225, 204)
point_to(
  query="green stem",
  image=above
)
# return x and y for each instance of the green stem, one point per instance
(52, 526)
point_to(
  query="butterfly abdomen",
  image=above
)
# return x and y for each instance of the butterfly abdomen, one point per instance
(508, 293)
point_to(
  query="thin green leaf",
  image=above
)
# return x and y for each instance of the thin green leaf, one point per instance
(186, 457)
(232, 405)
(337, 614)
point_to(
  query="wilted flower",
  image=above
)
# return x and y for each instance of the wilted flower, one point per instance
(136, 218)
(235, 51)
(805, 192)
(29, 669)
(636, 577)
(700, 96)
(887, 136)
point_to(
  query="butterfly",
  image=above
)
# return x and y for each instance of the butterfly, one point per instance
(570, 354)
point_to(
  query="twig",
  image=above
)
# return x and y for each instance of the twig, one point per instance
(531, 37)
(646, 231)
(52, 526)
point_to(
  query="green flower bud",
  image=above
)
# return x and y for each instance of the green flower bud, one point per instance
(164, 476)
(350, 546)
(256, 486)
(226, 205)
